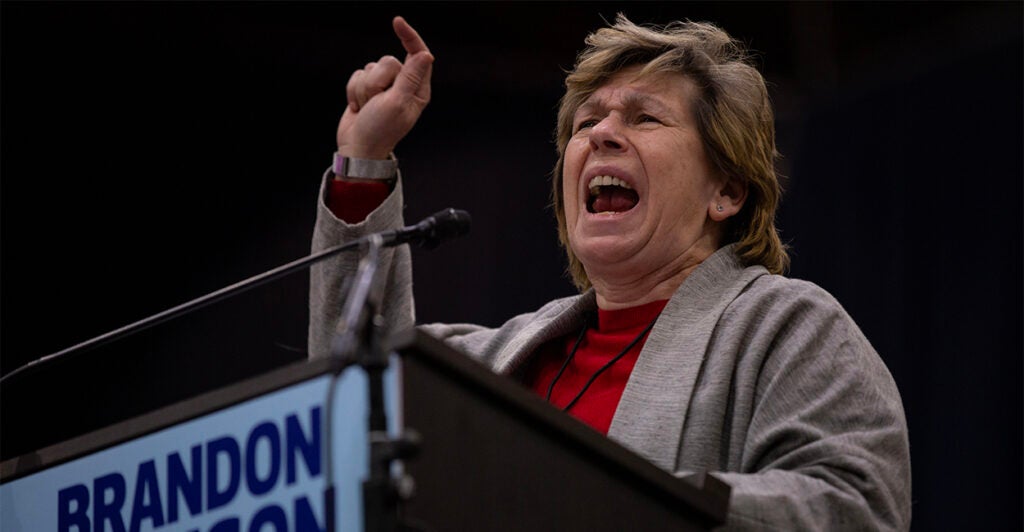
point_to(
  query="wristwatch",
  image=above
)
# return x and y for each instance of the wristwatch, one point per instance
(374, 169)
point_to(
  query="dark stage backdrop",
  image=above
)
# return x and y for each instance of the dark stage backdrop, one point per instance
(153, 152)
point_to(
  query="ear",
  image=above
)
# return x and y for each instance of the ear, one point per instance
(728, 199)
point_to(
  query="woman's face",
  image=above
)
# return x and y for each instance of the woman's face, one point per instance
(639, 192)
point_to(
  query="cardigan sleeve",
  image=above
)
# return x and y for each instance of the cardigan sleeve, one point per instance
(327, 277)
(826, 444)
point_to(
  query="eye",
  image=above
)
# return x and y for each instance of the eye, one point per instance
(644, 118)
(590, 122)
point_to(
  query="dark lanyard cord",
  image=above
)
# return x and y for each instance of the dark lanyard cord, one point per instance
(565, 364)
(597, 373)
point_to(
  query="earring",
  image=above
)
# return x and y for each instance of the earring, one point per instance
(719, 208)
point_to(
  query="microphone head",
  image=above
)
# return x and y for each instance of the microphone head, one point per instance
(449, 223)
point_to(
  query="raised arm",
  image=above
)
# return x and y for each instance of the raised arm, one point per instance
(385, 99)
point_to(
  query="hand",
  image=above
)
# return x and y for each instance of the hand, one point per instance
(385, 98)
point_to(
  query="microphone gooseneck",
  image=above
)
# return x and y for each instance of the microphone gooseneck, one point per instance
(428, 233)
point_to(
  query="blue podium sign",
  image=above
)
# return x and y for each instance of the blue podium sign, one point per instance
(257, 465)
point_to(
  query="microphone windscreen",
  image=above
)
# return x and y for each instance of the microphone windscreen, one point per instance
(452, 223)
(449, 223)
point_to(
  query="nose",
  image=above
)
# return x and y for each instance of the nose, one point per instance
(606, 135)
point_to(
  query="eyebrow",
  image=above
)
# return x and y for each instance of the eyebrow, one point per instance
(632, 100)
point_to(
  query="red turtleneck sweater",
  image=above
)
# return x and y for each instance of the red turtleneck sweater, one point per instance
(615, 330)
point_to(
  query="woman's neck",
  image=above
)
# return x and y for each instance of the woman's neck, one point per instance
(624, 292)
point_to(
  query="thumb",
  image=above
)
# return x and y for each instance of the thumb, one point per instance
(414, 78)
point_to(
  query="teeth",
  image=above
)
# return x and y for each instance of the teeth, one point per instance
(604, 181)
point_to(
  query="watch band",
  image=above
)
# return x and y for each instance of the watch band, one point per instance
(381, 170)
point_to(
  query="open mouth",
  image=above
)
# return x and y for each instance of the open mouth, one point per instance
(610, 194)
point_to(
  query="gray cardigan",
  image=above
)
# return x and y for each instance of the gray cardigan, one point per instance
(763, 380)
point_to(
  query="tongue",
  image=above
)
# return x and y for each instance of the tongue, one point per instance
(615, 199)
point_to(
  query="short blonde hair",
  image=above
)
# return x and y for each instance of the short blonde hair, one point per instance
(733, 114)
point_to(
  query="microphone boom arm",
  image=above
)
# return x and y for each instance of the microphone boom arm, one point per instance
(429, 232)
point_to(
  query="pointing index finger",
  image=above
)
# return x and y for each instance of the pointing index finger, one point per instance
(411, 41)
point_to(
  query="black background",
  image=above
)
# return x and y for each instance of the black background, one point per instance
(153, 152)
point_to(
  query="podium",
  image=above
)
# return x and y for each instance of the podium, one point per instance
(252, 456)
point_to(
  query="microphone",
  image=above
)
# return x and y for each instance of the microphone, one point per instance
(434, 229)
(428, 233)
